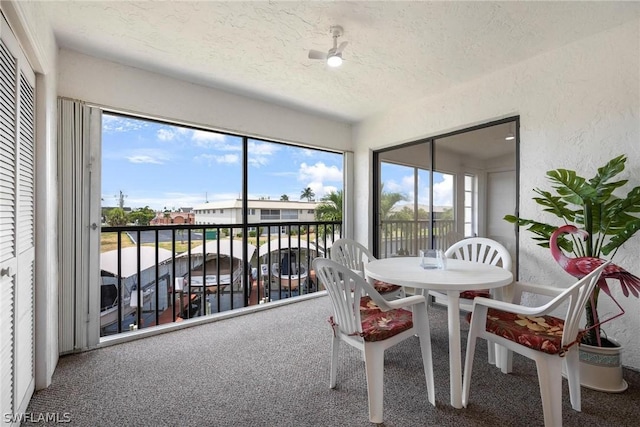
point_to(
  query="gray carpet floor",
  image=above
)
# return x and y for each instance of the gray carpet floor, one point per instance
(271, 368)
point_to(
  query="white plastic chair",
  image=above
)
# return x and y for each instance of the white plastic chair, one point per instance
(485, 251)
(372, 328)
(509, 324)
(354, 255)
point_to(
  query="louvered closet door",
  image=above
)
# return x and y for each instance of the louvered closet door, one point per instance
(17, 240)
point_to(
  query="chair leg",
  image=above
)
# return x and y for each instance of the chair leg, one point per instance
(504, 358)
(492, 354)
(572, 364)
(374, 368)
(421, 322)
(468, 364)
(550, 378)
(335, 346)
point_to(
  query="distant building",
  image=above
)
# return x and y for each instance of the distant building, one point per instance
(230, 211)
(182, 216)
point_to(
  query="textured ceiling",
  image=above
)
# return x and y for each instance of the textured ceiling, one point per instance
(398, 51)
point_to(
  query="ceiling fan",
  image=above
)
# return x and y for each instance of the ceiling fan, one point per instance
(334, 55)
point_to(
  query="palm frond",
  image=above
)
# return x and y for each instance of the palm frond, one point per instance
(608, 171)
(554, 205)
(571, 187)
(630, 228)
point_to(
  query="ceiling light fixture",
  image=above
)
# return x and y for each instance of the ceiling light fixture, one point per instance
(334, 60)
(334, 56)
(509, 137)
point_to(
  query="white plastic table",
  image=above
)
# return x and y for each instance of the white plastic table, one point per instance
(457, 277)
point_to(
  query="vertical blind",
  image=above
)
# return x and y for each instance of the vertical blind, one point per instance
(78, 142)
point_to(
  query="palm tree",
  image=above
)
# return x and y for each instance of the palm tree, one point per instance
(284, 198)
(330, 207)
(117, 217)
(308, 194)
(387, 201)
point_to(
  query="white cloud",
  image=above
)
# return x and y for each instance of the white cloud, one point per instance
(171, 200)
(120, 124)
(393, 187)
(315, 177)
(153, 156)
(228, 159)
(144, 159)
(206, 139)
(165, 134)
(260, 153)
(443, 192)
(219, 159)
(319, 173)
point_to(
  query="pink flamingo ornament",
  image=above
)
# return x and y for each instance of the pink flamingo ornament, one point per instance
(581, 266)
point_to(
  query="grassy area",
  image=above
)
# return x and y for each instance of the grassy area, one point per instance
(109, 242)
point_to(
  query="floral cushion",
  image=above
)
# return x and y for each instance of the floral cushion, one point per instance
(472, 294)
(384, 287)
(367, 305)
(542, 333)
(379, 325)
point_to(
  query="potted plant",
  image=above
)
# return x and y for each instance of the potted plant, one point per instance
(606, 220)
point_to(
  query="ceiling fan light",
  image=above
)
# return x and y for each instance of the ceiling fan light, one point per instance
(334, 60)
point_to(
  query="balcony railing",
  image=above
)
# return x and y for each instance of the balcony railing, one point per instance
(408, 237)
(151, 275)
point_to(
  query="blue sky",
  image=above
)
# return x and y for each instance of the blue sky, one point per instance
(159, 165)
(164, 166)
(400, 179)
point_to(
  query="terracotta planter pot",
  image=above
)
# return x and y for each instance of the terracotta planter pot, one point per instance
(601, 368)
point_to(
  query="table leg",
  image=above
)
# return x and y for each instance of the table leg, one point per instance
(455, 363)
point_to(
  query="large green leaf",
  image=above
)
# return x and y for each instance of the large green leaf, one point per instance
(631, 203)
(541, 230)
(622, 236)
(608, 171)
(601, 183)
(617, 212)
(571, 187)
(554, 205)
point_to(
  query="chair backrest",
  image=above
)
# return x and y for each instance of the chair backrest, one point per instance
(351, 254)
(576, 296)
(482, 250)
(345, 288)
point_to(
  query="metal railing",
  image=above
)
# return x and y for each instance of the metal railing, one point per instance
(151, 275)
(408, 237)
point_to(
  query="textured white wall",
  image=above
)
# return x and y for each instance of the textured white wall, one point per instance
(131, 89)
(579, 107)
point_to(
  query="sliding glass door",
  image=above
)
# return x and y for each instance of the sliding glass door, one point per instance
(433, 192)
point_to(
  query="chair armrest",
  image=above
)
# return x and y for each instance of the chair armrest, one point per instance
(507, 306)
(407, 301)
(550, 291)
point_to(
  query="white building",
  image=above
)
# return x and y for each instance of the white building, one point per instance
(230, 211)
